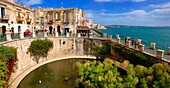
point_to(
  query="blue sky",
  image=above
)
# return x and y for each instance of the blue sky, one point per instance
(116, 12)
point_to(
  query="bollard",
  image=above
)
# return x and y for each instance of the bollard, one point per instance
(128, 43)
(79, 35)
(117, 36)
(160, 53)
(56, 34)
(91, 35)
(105, 35)
(169, 50)
(8, 36)
(139, 41)
(118, 40)
(141, 47)
(45, 34)
(128, 38)
(33, 33)
(68, 35)
(152, 45)
(110, 37)
(21, 35)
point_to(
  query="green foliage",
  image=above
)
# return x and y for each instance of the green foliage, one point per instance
(7, 59)
(133, 56)
(106, 75)
(101, 50)
(40, 48)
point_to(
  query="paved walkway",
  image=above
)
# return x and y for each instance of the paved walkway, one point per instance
(147, 50)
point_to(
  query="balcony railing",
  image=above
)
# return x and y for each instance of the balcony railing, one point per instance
(20, 19)
(4, 19)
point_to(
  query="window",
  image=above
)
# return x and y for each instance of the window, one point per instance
(67, 15)
(58, 16)
(50, 17)
(2, 12)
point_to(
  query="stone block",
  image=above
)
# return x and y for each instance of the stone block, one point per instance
(160, 53)
(152, 45)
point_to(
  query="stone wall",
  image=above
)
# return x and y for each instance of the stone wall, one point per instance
(62, 47)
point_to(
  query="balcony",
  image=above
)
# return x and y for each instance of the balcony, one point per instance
(58, 20)
(50, 22)
(4, 19)
(28, 20)
(20, 19)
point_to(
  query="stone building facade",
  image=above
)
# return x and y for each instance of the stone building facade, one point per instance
(14, 16)
(62, 19)
(88, 23)
(18, 17)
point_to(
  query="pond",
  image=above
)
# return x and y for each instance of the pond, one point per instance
(58, 74)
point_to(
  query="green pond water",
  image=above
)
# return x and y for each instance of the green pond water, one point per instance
(53, 75)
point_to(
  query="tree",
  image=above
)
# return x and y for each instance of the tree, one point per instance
(40, 48)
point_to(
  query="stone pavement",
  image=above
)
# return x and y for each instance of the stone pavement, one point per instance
(147, 50)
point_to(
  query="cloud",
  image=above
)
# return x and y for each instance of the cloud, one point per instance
(156, 17)
(164, 5)
(32, 2)
(138, 0)
(88, 14)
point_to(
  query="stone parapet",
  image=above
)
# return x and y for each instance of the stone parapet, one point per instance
(8, 36)
(152, 45)
(160, 54)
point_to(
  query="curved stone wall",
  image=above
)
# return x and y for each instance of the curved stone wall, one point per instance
(63, 47)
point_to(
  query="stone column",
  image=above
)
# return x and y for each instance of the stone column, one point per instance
(21, 35)
(118, 40)
(105, 35)
(91, 35)
(33, 33)
(139, 41)
(56, 34)
(152, 45)
(110, 37)
(45, 34)
(8, 36)
(117, 36)
(68, 34)
(128, 43)
(160, 53)
(169, 50)
(79, 35)
(141, 47)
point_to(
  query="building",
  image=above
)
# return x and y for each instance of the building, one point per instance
(98, 26)
(88, 23)
(14, 16)
(62, 19)
(19, 18)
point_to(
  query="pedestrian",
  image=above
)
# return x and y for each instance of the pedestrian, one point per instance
(125, 40)
(133, 41)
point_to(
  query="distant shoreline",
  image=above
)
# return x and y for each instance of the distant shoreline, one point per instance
(124, 26)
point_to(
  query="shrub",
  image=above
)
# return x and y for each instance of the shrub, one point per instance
(40, 48)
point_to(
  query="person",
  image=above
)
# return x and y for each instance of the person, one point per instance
(125, 40)
(133, 41)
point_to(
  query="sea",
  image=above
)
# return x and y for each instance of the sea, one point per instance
(158, 35)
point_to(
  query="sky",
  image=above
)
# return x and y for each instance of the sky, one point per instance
(115, 12)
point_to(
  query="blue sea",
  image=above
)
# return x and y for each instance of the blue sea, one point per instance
(158, 35)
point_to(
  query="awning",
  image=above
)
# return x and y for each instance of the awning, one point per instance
(67, 26)
(83, 28)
